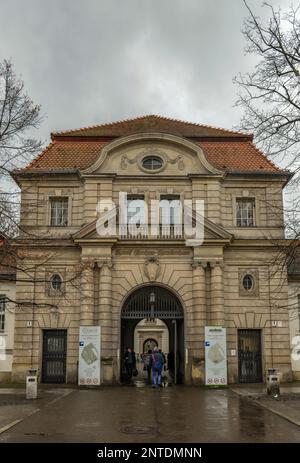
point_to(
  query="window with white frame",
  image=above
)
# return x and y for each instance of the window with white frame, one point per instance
(2, 312)
(59, 212)
(245, 208)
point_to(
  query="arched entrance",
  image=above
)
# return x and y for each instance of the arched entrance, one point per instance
(149, 344)
(153, 302)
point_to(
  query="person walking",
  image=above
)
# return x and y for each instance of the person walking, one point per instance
(148, 365)
(157, 363)
(130, 362)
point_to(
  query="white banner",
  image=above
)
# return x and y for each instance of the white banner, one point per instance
(89, 356)
(215, 356)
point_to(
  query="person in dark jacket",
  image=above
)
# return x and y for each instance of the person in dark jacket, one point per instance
(157, 363)
(148, 365)
(171, 365)
(130, 362)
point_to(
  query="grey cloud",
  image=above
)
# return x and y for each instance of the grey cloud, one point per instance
(93, 61)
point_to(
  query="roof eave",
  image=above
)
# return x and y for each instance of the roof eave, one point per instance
(36, 172)
(263, 173)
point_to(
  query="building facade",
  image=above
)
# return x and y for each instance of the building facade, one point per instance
(85, 271)
(294, 311)
(7, 313)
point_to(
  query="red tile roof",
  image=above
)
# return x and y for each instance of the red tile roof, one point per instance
(7, 260)
(79, 149)
(237, 156)
(150, 123)
(68, 154)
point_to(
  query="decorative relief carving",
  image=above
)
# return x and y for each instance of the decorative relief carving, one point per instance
(144, 252)
(178, 160)
(150, 150)
(106, 262)
(199, 263)
(152, 268)
(88, 262)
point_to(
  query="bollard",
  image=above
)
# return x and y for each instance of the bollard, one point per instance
(31, 384)
(273, 387)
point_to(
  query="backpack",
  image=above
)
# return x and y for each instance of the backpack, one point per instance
(157, 360)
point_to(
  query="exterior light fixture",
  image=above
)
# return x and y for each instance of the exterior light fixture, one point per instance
(152, 304)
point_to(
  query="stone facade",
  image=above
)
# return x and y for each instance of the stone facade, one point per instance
(99, 272)
(7, 317)
(294, 311)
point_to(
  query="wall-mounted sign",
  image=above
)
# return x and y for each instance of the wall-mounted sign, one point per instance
(89, 356)
(277, 323)
(215, 356)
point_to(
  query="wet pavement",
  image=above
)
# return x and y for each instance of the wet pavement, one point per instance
(286, 404)
(141, 414)
(14, 406)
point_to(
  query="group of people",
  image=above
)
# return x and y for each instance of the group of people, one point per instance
(154, 362)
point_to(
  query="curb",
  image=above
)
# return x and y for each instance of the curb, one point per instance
(270, 409)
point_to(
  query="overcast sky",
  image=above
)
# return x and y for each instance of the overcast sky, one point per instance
(95, 61)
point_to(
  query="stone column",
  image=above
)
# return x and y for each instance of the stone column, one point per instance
(199, 295)
(217, 294)
(199, 321)
(87, 291)
(105, 306)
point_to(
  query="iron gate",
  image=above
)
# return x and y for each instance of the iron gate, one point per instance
(249, 349)
(54, 356)
(152, 302)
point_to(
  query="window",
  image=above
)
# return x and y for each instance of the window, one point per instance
(56, 282)
(152, 163)
(245, 212)
(135, 210)
(2, 312)
(170, 210)
(59, 212)
(248, 282)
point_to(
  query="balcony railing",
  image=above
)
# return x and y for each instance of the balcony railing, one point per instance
(144, 232)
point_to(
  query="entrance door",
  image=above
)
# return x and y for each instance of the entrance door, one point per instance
(54, 356)
(250, 364)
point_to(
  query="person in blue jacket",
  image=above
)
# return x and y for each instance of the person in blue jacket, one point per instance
(157, 363)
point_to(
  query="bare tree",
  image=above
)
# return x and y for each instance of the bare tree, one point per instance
(270, 98)
(270, 94)
(18, 115)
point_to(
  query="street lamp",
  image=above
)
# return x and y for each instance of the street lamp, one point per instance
(152, 304)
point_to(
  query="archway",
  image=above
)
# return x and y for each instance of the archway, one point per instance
(149, 343)
(152, 302)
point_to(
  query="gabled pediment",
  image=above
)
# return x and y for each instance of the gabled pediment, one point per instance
(212, 231)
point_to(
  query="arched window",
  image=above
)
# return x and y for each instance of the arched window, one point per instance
(56, 282)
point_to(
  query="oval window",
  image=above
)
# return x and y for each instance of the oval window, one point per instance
(152, 163)
(56, 282)
(248, 282)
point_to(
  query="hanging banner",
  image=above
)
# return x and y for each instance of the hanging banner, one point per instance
(215, 356)
(89, 356)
